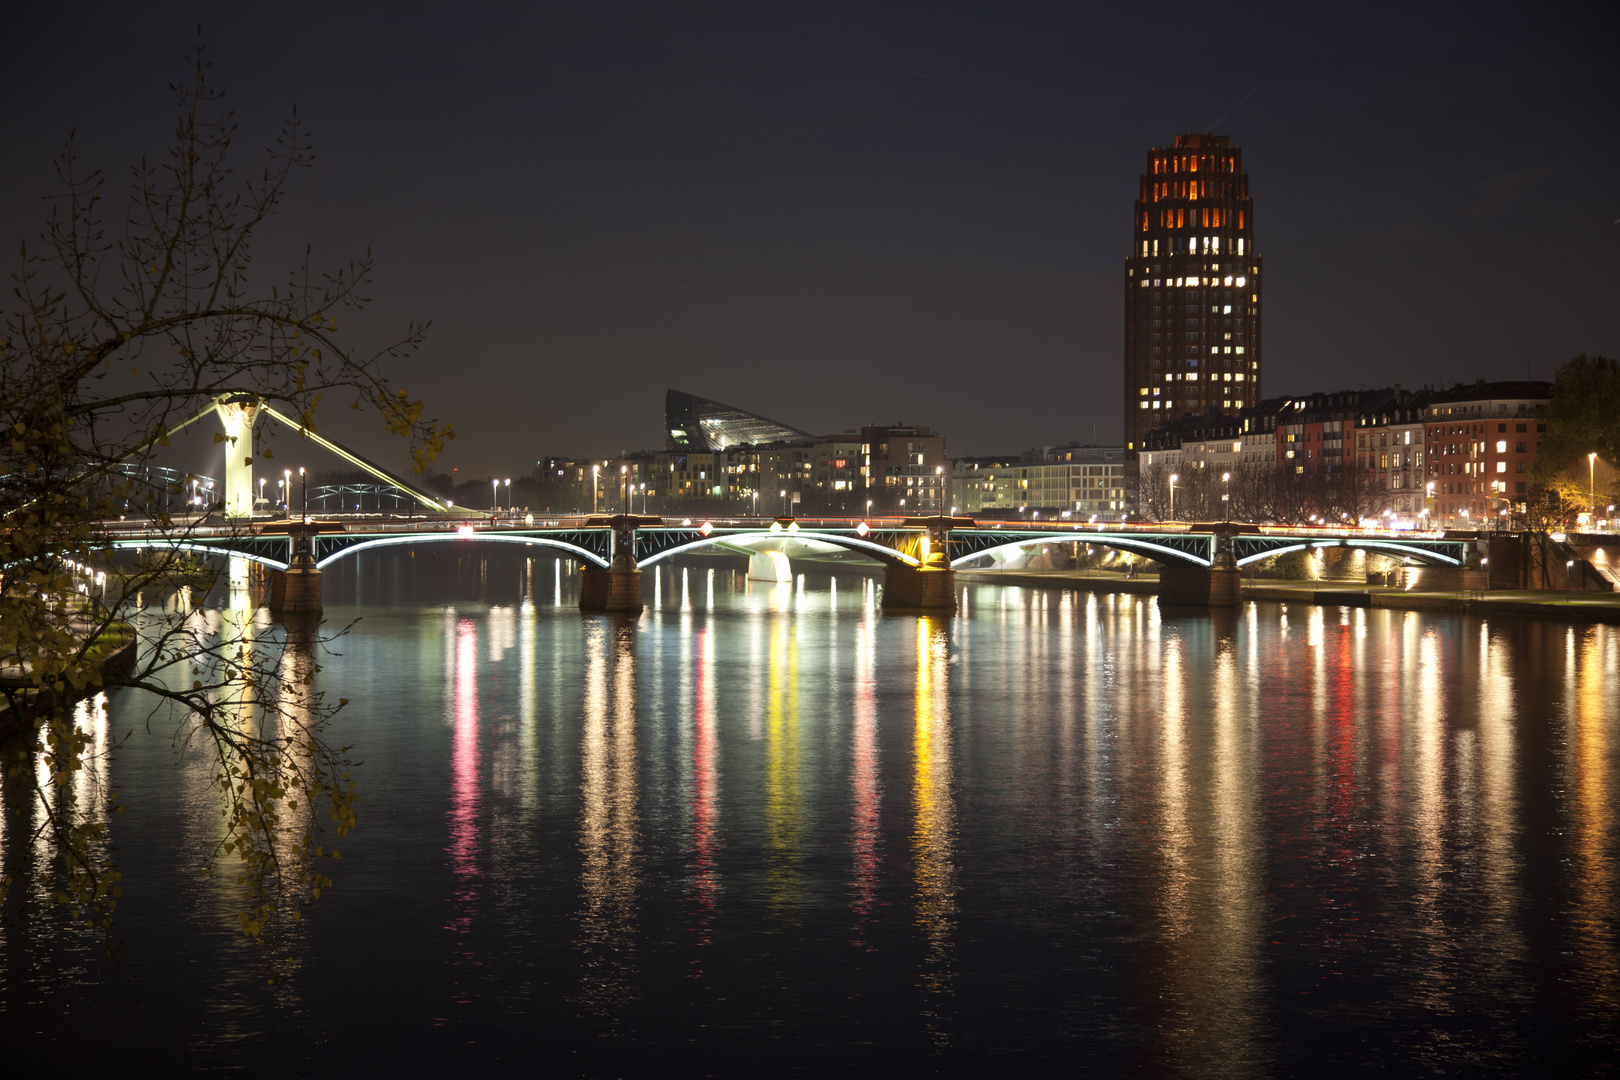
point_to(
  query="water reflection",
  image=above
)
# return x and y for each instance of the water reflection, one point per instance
(706, 784)
(466, 794)
(609, 824)
(783, 779)
(865, 801)
(934, 830)
(1592, 679)
(1192, 844)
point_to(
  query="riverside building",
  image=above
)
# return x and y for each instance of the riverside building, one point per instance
(1192, 289)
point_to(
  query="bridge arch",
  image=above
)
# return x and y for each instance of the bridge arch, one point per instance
(574, 550)
(1144, 546)
(201, 547)
(1424, 555)
(879, 552)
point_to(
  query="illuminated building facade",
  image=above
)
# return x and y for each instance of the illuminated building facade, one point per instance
(904, 468)
(1483, 441)
(1192, 289)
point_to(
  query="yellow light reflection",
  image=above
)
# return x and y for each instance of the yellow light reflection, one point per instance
(1593, 709)
(783, 782)
(934, 831)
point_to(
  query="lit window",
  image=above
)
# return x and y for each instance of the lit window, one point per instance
(1227, 310)
(1145, 404)
(1501, 466)
(1501, 446)
(1192, 376)
(1240, 350)
(1240, 377)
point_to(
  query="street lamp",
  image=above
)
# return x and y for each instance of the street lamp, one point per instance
(494, 496)
(1173, 478)
(624, 478)
(593, 487)
(286, 502)
(1591, 489)
(304, 480)
(1226, 495)
(261, 490)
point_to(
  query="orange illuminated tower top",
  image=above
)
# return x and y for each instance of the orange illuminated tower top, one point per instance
(1192, 288)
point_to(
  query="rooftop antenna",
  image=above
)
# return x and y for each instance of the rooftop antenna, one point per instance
(1234, 108)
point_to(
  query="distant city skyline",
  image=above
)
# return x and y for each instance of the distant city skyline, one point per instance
(843, 214)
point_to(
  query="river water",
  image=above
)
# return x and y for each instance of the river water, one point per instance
(770, 828)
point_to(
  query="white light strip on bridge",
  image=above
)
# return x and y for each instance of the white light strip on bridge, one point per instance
(206, 549)
(439, 538)
(1374, 545)
(827, 538)
(1133, 546)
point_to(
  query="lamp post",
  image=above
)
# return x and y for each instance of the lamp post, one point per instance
(303, 479)
(1226, 495)
(286, 500)
(1591, 490)
(624, 478)
(1568, 568)
(1173, 478)
(594, 468)
(494, 496)
(261, 489)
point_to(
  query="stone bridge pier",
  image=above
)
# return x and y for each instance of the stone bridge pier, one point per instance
(1220, 585)
(297, 589)
(618, 586)
(928, 586)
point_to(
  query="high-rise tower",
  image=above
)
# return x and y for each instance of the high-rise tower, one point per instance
(1192, 289)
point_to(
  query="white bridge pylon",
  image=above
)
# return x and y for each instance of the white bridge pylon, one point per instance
(238, 413)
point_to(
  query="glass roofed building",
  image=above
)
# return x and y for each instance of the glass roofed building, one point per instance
(698, 424)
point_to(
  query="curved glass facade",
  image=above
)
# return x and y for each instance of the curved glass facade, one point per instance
(698, 424)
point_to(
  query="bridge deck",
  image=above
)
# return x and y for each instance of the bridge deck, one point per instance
(890, 539)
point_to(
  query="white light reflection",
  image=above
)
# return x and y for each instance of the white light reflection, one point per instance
(609, 825)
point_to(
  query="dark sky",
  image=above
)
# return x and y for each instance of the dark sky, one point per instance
(840, 214)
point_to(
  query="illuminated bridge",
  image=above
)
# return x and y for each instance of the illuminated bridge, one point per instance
(1200, 563)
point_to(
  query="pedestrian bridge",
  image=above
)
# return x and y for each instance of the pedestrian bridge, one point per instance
(905, 546)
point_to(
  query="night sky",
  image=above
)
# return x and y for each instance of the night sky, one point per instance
(843, 214)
